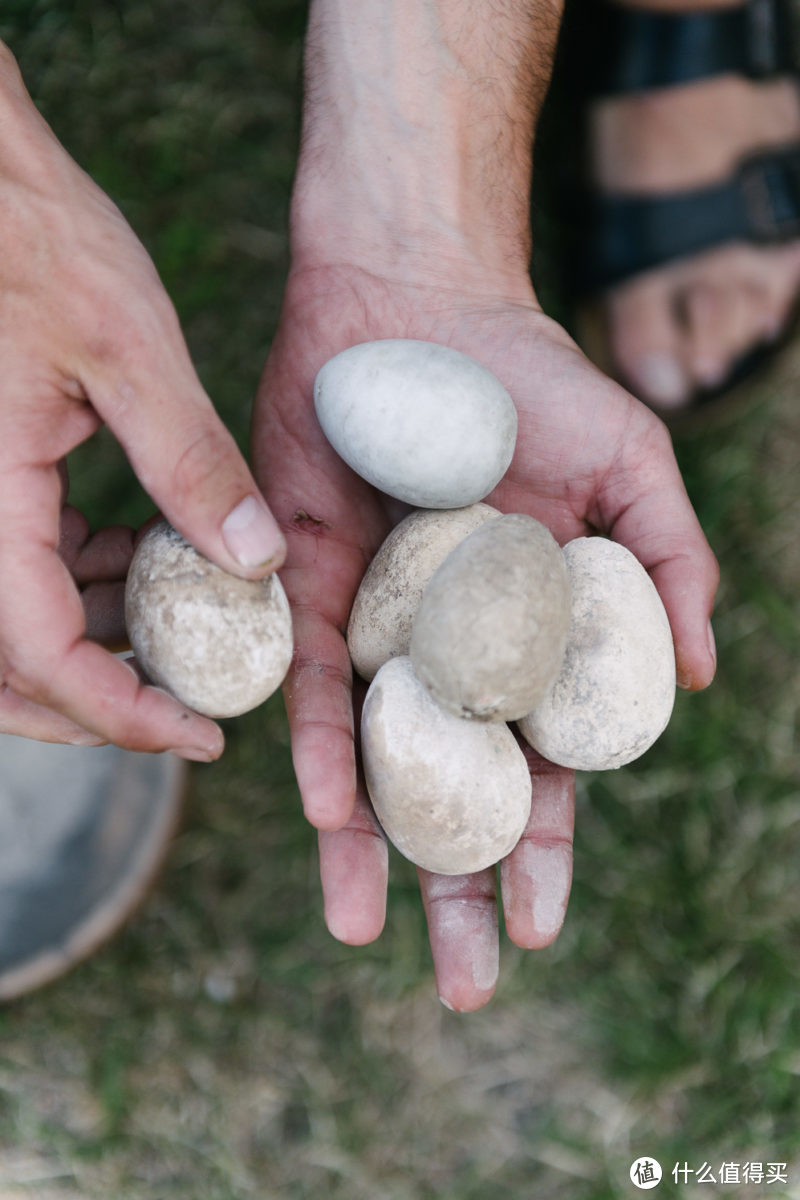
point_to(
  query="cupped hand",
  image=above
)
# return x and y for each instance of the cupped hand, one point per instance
(88, 335)
(588, 458)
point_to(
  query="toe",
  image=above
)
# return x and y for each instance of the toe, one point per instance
(646, 341)
(715, 322)
(735, 299)
(780, 282)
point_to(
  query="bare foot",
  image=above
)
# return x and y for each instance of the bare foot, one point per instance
(680, 327)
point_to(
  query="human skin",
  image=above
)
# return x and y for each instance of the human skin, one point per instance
(399, 228)
(680, 326)
(410, 219)
(88, 335)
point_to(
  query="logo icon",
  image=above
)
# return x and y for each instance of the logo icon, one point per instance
(646, 1173)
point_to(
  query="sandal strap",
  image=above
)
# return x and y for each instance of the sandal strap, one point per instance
(636, 50)
(629, 234)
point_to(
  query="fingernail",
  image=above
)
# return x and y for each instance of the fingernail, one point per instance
(662, 379)
(251, 533)
(134, 668)
(550, 872)
(447, 1004)
(192, 753)
(712, 645)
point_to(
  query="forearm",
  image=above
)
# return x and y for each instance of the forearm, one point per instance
(418, 127)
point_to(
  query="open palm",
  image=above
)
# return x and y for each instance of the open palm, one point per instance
(588, 457)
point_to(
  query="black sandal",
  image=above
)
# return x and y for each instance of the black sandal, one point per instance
(607, 49)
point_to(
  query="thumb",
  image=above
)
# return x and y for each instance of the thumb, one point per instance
(652, 515)
(146, 390)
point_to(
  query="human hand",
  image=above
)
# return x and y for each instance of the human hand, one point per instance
(410, 218)
(88, 335)
(588, 458)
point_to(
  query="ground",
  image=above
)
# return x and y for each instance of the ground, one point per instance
(224, 1046)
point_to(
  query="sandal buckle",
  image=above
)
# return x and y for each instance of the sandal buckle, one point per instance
(768, 37)
(770, 186)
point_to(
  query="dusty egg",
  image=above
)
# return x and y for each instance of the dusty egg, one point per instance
(219, 644)
(616, 688)
(490, 630)
(452, 795)
(420, 421)
(383, 610)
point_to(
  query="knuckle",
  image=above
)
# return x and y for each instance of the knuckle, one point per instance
(464, 891)
(23, 683)
(655, 447)
(364, 823)
(120, 319)
(199, 464)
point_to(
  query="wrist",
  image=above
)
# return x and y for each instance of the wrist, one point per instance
(334, 230)
(416, 154)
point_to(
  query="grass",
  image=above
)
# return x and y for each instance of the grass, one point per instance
(224, 1047)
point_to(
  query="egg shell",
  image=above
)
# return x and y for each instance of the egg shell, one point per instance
(491, 627)
(219, 644)
(383, 611)
(453, 796)
(422, 422)
(615, 692)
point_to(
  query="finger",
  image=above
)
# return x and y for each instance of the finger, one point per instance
(318, 695)
(644, 505)
(45, 657)
(536, 877)
(24, 718)
(104, 555)
(354, 869)
(63, 475)
(101, 694)
(104, 608)
(140, 379)
(462, 926)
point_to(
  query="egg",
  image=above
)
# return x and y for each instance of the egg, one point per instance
(422, 422)
(491, 627)
(219, 644)
(615, 692)
(453, 796)
(388, 597)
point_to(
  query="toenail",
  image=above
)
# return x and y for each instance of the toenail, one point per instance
(662, 379)
(709, 372)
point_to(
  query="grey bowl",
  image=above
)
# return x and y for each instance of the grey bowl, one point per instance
(83, 832)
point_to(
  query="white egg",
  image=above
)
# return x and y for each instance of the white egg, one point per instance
(219, 644)
(616, 689)
(491, 627)
(383, 611)
(453, 796)
(422, 422)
